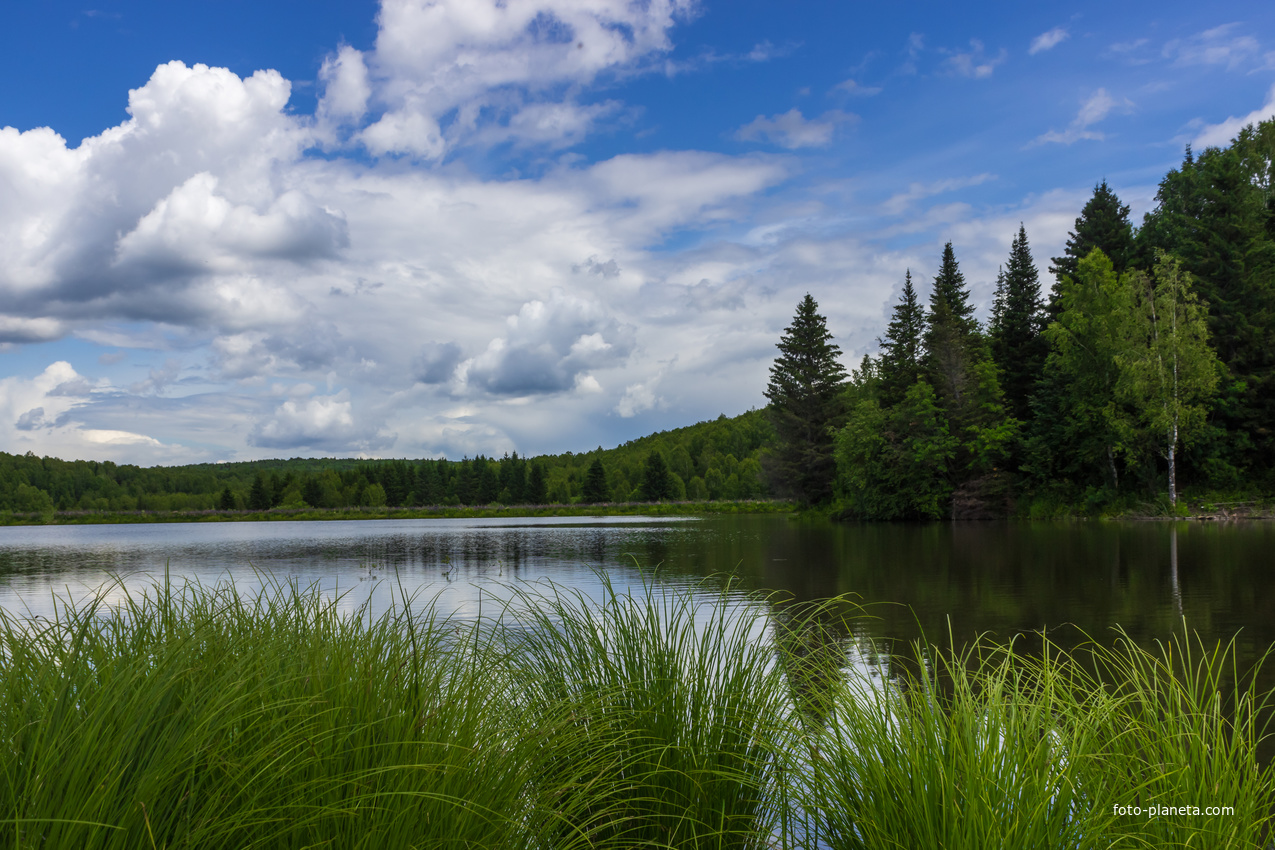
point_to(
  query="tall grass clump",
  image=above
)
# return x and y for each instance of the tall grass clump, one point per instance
(987, 747)
(657, 716)
(673, 712)
(198, 719)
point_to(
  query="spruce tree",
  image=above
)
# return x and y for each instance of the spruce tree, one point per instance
(949, 286)
(900, 362)
(951, 332)
(595, 487)
(657, 481)
(806, 405)
(1017, 346)
(259, 496)
(959, 368)
(1103, 224)
(537, 492)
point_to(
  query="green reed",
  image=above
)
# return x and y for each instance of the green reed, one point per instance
(987, 747)
(660, 716)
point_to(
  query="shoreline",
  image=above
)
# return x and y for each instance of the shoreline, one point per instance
(1202, 510)
(602, 509)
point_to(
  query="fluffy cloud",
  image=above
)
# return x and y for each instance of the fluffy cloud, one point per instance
(194, 179)
(346, 87)
(436, 363)
(324, 423)
(550, 347)
(44, 414)
(448, 69)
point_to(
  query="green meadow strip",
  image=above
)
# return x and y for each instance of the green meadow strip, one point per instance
(656, 716)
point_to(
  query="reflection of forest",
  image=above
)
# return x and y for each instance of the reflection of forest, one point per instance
(950, 583)
(1012, 580)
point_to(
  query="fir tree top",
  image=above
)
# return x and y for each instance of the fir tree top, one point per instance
(901, 345)
(1104, 224)
(808, 367)
(1017, 322)
(949, 287)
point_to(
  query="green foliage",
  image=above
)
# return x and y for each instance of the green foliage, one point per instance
(992, 747)
(951, 296)
(673, 715)
(259, 496)
(226, 502)
(1103, 224)
(657, 481)
(894, 463)
(595, 487)
(1016, 344)
(1080, 428)
(373, 496)
(901, 352)
(80, 489)
(806, 406)
(1215, 214)
(1168, 372)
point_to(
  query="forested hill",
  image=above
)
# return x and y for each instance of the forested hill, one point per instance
(708, 461)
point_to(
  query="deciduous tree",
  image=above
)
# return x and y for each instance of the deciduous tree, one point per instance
(1168, 371)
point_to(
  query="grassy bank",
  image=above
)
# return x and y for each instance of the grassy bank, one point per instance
(434, 512)
(194, 717)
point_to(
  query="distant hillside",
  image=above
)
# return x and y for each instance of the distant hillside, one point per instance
(707, 461)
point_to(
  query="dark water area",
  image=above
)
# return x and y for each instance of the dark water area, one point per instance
(936, 580)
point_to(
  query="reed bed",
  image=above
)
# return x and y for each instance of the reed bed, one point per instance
(659, 716)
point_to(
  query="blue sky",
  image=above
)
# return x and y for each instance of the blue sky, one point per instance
(238, 230)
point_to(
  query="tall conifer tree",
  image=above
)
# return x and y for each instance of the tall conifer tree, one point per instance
(1103, 224)
(949, 285)
(950, 331)
(959, 367)
(900, 363)
(595, 489)
(1017, 320)
(806, 404)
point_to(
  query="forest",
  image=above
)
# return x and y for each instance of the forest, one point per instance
(1146, 369)
(716, 460)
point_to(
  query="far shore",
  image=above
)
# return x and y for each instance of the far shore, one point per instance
(1202, 511)
(307, 514)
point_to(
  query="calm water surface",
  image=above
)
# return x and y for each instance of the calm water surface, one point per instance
(959, 579)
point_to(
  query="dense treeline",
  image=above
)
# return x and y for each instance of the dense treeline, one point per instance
(1149, 365)
(709, 461)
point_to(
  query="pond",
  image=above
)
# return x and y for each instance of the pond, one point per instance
(961, 579)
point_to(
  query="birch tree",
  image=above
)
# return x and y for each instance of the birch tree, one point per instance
(1168, 371)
